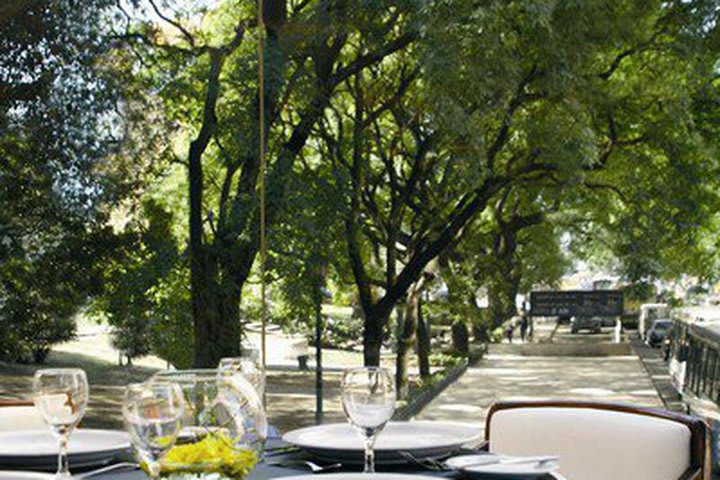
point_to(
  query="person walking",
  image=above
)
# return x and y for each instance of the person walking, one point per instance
(509, 330)
(524, 323)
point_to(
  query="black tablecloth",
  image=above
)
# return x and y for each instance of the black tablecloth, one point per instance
(290, 464)
(287, 465)
(264, 472)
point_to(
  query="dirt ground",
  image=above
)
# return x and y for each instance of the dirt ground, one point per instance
(290, 394)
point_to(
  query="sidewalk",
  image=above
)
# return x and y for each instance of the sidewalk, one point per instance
(507, 376)
(657, 368)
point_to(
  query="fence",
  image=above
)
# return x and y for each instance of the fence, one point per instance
(699, 348)
(695, 367)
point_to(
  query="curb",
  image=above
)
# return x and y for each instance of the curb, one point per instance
(671, 398)
(416, 404)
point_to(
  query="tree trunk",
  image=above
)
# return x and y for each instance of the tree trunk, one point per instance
(204, 307)
(423, 343)
(496, 309)
(460, 338)
(512, 286)
(202, 267)
(501, 297)
(372, 337)
(216, 309)
(229, 330)
(406, 341)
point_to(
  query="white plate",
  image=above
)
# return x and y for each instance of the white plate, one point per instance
(423, 439)
(6, 475)
(359, 476)
(468, 465)
(38, 449)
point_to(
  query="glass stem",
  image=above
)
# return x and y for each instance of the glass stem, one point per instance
(369, 455)
(154, 469)
(63, 464)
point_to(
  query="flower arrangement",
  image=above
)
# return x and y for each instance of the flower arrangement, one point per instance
(215, 456)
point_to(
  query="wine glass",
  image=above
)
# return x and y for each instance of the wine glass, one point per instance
(368, 399)
(251, 369)
(61, 395)
(153, 415)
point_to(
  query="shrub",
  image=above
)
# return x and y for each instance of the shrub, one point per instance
(171, 330)
(27, 333)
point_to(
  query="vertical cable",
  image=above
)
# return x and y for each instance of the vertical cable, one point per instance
(261, 137)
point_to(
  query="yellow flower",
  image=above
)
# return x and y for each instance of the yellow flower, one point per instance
(215, 453)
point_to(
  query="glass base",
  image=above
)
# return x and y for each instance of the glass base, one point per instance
(63, 476)
(196, 476)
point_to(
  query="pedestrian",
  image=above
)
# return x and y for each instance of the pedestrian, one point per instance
(618, 330)
(509, 332)
(524, 323)
(668, 346)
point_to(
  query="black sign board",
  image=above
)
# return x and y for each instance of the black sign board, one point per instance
(586, 303)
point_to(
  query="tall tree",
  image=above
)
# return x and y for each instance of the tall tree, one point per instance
(558, 95)
(206, 73)
(58, 128)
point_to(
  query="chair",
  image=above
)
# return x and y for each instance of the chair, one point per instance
(19, 415)
(601, 441)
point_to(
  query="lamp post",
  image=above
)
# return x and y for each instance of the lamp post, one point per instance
(318, 362)
(320, 273)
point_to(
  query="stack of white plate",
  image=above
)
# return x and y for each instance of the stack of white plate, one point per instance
(10, 475)
(339, 442)
(489, 466)
(357, 476)
(38, 449)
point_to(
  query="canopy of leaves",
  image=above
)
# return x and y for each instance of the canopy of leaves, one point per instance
(57, 128)
(398, 133)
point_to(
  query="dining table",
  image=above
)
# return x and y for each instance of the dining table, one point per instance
(291, 464)
(265, 472)
(282, 459)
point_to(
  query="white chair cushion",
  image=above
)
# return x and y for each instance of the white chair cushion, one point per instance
(20, 418)
(595, 444)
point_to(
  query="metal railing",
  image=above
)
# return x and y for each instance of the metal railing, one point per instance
(696, 353)
(699, 348)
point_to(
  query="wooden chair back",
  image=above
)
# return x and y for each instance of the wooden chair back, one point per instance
(697, 428)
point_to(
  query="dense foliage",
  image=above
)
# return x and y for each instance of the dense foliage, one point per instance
(57, 135)
(413, 147)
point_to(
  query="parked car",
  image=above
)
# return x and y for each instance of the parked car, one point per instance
(658, 332)
(608, 321)
(630, 320)
(594, 324)
(649, 312)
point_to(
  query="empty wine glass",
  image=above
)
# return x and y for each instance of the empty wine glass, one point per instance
(250, 367)
(61, 395)
(368, 399)
(153, 415)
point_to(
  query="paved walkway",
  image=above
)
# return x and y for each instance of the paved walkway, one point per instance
(291, 393)
(657, 368)
(507, 376)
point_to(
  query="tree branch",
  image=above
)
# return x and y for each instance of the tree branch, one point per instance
(366, 60)
(516, 102)
(174, 23)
